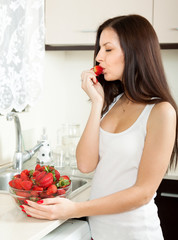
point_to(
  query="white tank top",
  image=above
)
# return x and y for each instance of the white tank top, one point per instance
(119, 158)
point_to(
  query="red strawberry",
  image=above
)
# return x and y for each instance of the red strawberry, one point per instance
(23, 194)
(37, 188)
(57, 175)
(61, 191)
(51, 190)
(11, 183)
(51, 168)
(46, 168)
(34, 193)
(45, 181)
(24, 176)
(38, 167)
(26, 172)
(17, 183)
(33, 180)
(35, 173)
(16, 176)
(64, 181)
(40, 176)
(97, 70)
(26, 185)
(43, 195)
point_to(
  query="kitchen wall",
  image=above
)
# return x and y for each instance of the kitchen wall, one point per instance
(63, 100)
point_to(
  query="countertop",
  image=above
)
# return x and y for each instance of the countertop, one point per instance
(14, 224)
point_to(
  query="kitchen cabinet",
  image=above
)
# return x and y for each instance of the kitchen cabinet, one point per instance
(75, 22)
(167, 203)
(165, 20)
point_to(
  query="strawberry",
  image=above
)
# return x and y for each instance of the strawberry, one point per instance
(33, 180)
(34, 193)
(35, 173)
(37, 188)
(26, 172)
(16, 176)
(61, 191)
(57, 175)
(48, 168)
(45, 181)
(38, 167)
(17, 183)
(39, 176)
(51, 168)
(43, 195)
(11, 183)
(26, 185)
(51, 189)
(97, 70)
(24, 176)
(23, 194)
(64, 181)
(44, 168)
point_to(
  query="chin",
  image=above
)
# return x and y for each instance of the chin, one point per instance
(107, 78)
(110, 78)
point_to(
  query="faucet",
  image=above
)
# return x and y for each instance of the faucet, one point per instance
(20, 157)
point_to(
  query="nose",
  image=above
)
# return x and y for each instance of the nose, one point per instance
(99, 57)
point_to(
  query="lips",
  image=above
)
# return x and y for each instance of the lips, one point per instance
(103, 71)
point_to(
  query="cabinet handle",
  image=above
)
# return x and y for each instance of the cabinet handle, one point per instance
(171, 195)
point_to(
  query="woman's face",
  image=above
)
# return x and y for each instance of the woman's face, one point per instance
(110, 55)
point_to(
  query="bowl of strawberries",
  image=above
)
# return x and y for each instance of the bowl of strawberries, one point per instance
(42, 182)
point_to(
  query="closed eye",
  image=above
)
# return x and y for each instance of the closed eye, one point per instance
(108, 50)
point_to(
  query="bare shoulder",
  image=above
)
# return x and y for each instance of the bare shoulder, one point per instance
(163, 113)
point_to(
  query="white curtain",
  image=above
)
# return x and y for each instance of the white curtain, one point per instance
(21, 53)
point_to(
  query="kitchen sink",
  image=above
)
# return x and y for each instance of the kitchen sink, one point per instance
(78, 184)
(5, 177)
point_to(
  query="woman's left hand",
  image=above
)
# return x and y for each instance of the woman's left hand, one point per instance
(51, 208)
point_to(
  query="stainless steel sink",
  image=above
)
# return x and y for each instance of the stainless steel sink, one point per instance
(5, 177)
(78, 184)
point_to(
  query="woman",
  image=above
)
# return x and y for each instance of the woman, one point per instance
(130, 137)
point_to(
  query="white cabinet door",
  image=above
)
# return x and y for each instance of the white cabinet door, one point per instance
(74, 22)
(166, 20)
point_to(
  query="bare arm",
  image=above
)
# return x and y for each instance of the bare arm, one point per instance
(87, 149)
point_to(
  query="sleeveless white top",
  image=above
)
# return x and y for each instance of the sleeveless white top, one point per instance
(119, 158)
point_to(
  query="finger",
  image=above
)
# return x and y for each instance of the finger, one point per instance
(89, 79)
(51, 201)
(32, 212)
(36, 206)
(37, 216)
(42, 203)
(87, 71)
(88, 75)
(38, 210)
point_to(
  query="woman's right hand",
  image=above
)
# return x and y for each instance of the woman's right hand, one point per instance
(92, 87)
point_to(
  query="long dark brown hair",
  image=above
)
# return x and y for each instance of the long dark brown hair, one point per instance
(143, 77)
